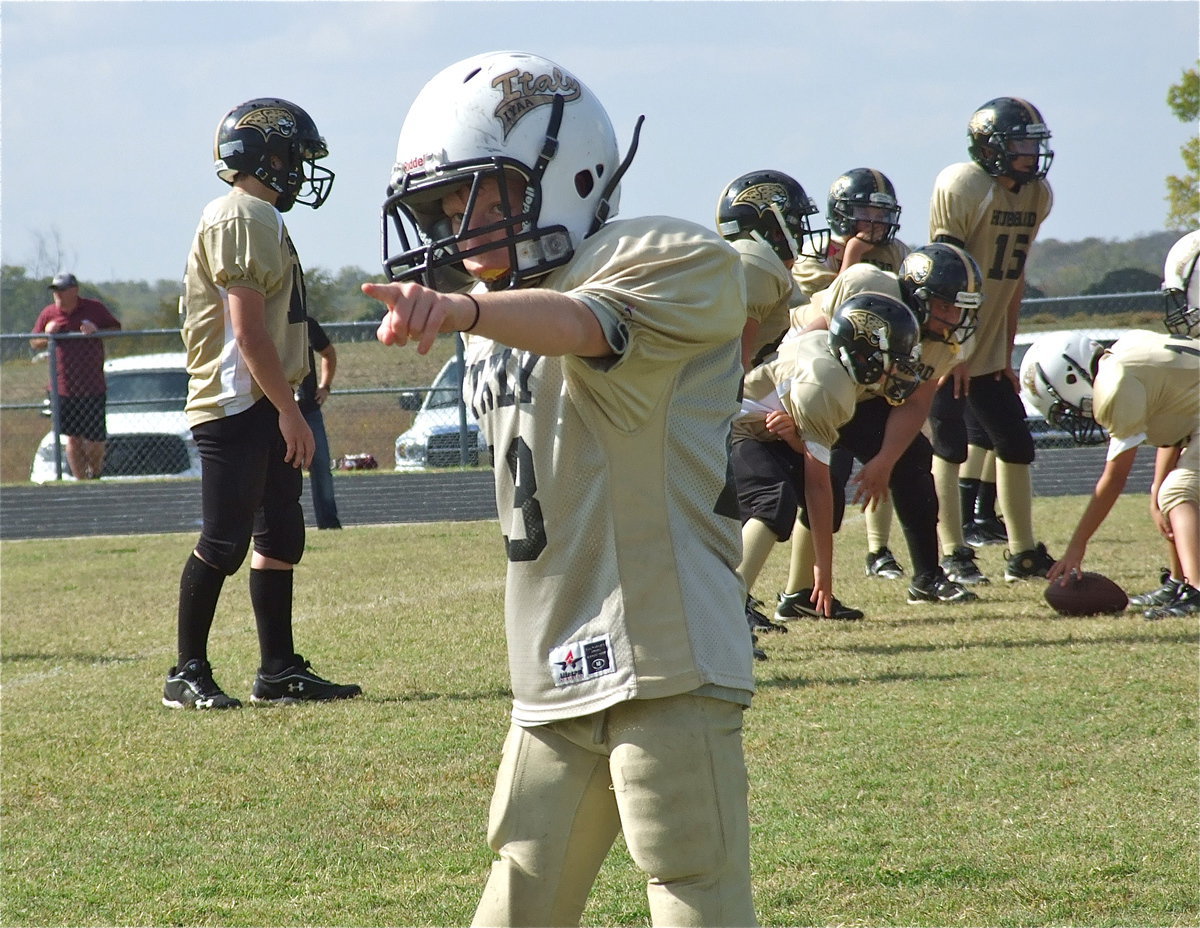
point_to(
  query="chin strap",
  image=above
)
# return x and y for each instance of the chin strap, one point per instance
(602, 206)
(550, 143)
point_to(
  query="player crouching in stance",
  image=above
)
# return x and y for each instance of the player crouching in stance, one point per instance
(793, 406)
(603, 364)
(1144, 389)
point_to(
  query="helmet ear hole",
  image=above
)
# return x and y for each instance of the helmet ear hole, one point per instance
(584, 183)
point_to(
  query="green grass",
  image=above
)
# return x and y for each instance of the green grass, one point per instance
(989, 764)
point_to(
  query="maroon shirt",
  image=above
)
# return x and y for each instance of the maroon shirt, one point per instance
(79, 361)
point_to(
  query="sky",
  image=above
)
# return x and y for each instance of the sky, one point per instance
(108, 109)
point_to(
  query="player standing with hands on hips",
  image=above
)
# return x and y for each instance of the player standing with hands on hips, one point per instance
(246, 337)
(603, 363)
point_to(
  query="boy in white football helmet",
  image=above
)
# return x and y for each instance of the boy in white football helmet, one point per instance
(1144, 389)
(1181, 287)
(603, 364)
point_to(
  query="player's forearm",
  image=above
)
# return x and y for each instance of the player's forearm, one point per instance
(818, 501)
(545, 322)
(904, 422)
(328, 367)
(1108, 490)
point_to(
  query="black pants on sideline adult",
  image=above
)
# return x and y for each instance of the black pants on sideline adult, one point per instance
(913, 495)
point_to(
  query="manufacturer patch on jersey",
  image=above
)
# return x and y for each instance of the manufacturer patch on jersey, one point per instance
(581, 660)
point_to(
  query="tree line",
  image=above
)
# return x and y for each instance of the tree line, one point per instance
(1055, 268)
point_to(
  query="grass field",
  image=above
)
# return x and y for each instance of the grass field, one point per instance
(989, 764)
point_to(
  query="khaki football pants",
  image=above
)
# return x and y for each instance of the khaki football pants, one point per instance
(669, 772)
(1180, 485)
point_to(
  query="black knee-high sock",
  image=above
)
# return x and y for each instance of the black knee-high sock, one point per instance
(985, 502)
(271, 597)
(199, 589)
(968, 490)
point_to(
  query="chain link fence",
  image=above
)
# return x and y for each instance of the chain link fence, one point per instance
(379, 394)
(390, 409)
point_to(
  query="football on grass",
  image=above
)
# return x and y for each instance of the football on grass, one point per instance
(1087, 594)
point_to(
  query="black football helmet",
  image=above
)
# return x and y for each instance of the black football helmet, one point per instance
(773, 208)
(257, 131)
(878, 341)
(948, 273)
(864, 195)
(1005, 129)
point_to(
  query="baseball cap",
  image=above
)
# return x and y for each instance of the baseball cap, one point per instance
(63, 282)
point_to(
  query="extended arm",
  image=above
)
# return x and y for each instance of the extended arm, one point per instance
(545, 322)
(1104, 496)
(326, 368)
(903, 424)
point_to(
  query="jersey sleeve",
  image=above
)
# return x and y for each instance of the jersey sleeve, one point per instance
(664, 292)
(956, 203)
(818, 411)
(1120, 404)
(812, 275)
(243, 251)
(317, 339)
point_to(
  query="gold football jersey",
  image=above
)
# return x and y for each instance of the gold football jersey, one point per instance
(770, 290)
(810, 384)
(613, 482)
(997, 227)
(241, 242)
(815, 274)
(1148, 385)
(938, 357)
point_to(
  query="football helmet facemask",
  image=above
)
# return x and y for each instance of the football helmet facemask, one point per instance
(1008, 129)
(878, 341)
(863, 195)
(1181, 287)
(771, 207)
(498, 116)
(252, 136)
(1057, 374)
(948, 273)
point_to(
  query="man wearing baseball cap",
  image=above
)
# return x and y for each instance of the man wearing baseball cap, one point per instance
(77, 375)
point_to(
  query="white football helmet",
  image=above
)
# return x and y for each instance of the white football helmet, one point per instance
(481, 117)
(1057, 373)
(1181, 287)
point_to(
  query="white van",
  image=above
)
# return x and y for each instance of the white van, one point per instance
(435, 437)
